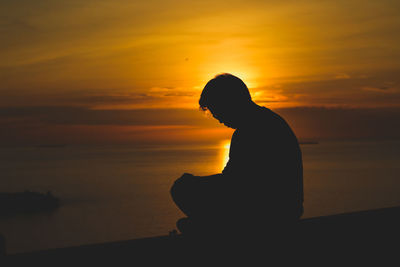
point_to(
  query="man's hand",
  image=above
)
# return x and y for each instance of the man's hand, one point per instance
(185, 178)
(187, 175)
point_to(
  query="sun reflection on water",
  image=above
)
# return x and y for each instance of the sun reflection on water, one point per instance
(225, 145)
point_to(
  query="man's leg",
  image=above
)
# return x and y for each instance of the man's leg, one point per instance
(196, 197)
(182, 194)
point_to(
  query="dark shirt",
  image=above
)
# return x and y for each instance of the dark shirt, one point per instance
(265, 166)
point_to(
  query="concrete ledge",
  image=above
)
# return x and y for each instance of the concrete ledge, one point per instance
(371, 230)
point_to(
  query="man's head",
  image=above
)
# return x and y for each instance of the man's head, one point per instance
(225, 96)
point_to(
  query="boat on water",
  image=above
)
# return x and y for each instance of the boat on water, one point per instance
(27, 202)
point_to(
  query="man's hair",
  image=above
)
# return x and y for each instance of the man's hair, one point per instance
(222, 89)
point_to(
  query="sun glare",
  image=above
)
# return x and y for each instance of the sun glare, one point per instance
(247, 75)
(225, 146)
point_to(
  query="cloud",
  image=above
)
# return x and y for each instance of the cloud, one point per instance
(56, 115)
(381, 89)
(358, 90)
(341, 123)
(169, 91)
(109, 98)
(342, 76)
(80, 125)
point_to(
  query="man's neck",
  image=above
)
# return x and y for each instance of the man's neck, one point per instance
(247, 114)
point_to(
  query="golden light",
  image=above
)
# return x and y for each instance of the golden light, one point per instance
(231, 55)
(225, 146)
(248, 75)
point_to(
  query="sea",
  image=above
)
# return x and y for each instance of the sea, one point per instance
(121, 192)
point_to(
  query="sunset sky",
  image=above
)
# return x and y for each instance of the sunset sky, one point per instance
(122, 71)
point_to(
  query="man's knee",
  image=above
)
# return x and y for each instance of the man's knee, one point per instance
(177, 187)
(173, 190)
(181, 186)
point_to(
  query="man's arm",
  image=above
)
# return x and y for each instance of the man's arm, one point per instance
(211, 178)
(208, 178)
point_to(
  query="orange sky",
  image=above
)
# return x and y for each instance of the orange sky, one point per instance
(79, 56)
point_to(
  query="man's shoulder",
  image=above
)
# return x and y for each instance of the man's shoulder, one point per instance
(272, 118)
(264, 120)
(269, 114)
(271, 125)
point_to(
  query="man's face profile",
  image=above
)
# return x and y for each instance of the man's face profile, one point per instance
(224, 115)
(227, 98)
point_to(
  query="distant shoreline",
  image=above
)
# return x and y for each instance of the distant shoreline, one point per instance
(52, 146)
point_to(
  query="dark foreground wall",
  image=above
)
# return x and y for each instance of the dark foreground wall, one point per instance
(360, 237)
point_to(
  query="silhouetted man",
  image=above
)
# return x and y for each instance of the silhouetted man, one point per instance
(261, 185)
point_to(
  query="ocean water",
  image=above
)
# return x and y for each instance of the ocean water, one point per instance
(111, 193)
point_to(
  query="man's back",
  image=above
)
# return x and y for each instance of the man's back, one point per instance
(265, 166)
